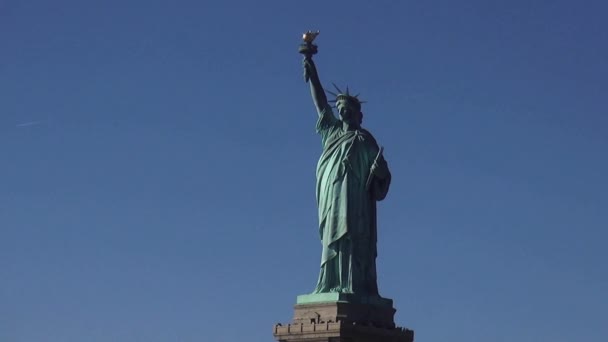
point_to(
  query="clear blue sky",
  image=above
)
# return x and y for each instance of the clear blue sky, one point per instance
(157, 165)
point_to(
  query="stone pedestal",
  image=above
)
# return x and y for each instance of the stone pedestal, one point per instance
(342, 321)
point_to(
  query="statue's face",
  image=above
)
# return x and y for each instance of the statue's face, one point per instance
(348, 112)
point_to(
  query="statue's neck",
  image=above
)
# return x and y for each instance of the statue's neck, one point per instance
(349, 126)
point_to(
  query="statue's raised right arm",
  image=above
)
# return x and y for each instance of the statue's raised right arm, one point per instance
(316, 89)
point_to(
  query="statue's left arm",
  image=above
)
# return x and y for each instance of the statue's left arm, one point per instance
(381, 179)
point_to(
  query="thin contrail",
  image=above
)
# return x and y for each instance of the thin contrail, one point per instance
(30, 123)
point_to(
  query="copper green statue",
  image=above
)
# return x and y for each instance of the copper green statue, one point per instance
(352, 176)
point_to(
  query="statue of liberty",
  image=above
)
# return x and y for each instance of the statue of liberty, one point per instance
(352, 176)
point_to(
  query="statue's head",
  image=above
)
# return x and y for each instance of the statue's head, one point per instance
(349, 109)
(348, 106)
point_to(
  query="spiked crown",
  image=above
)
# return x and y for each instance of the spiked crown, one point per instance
(346, 97)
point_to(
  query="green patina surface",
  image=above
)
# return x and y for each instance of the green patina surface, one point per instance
(330, 297)
(352, 175)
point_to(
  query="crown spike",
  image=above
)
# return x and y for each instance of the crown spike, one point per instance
(335, 86)
(331, 92)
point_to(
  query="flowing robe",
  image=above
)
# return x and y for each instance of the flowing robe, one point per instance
(347, 209)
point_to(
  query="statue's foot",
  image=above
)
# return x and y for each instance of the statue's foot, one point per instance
(340, 290)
